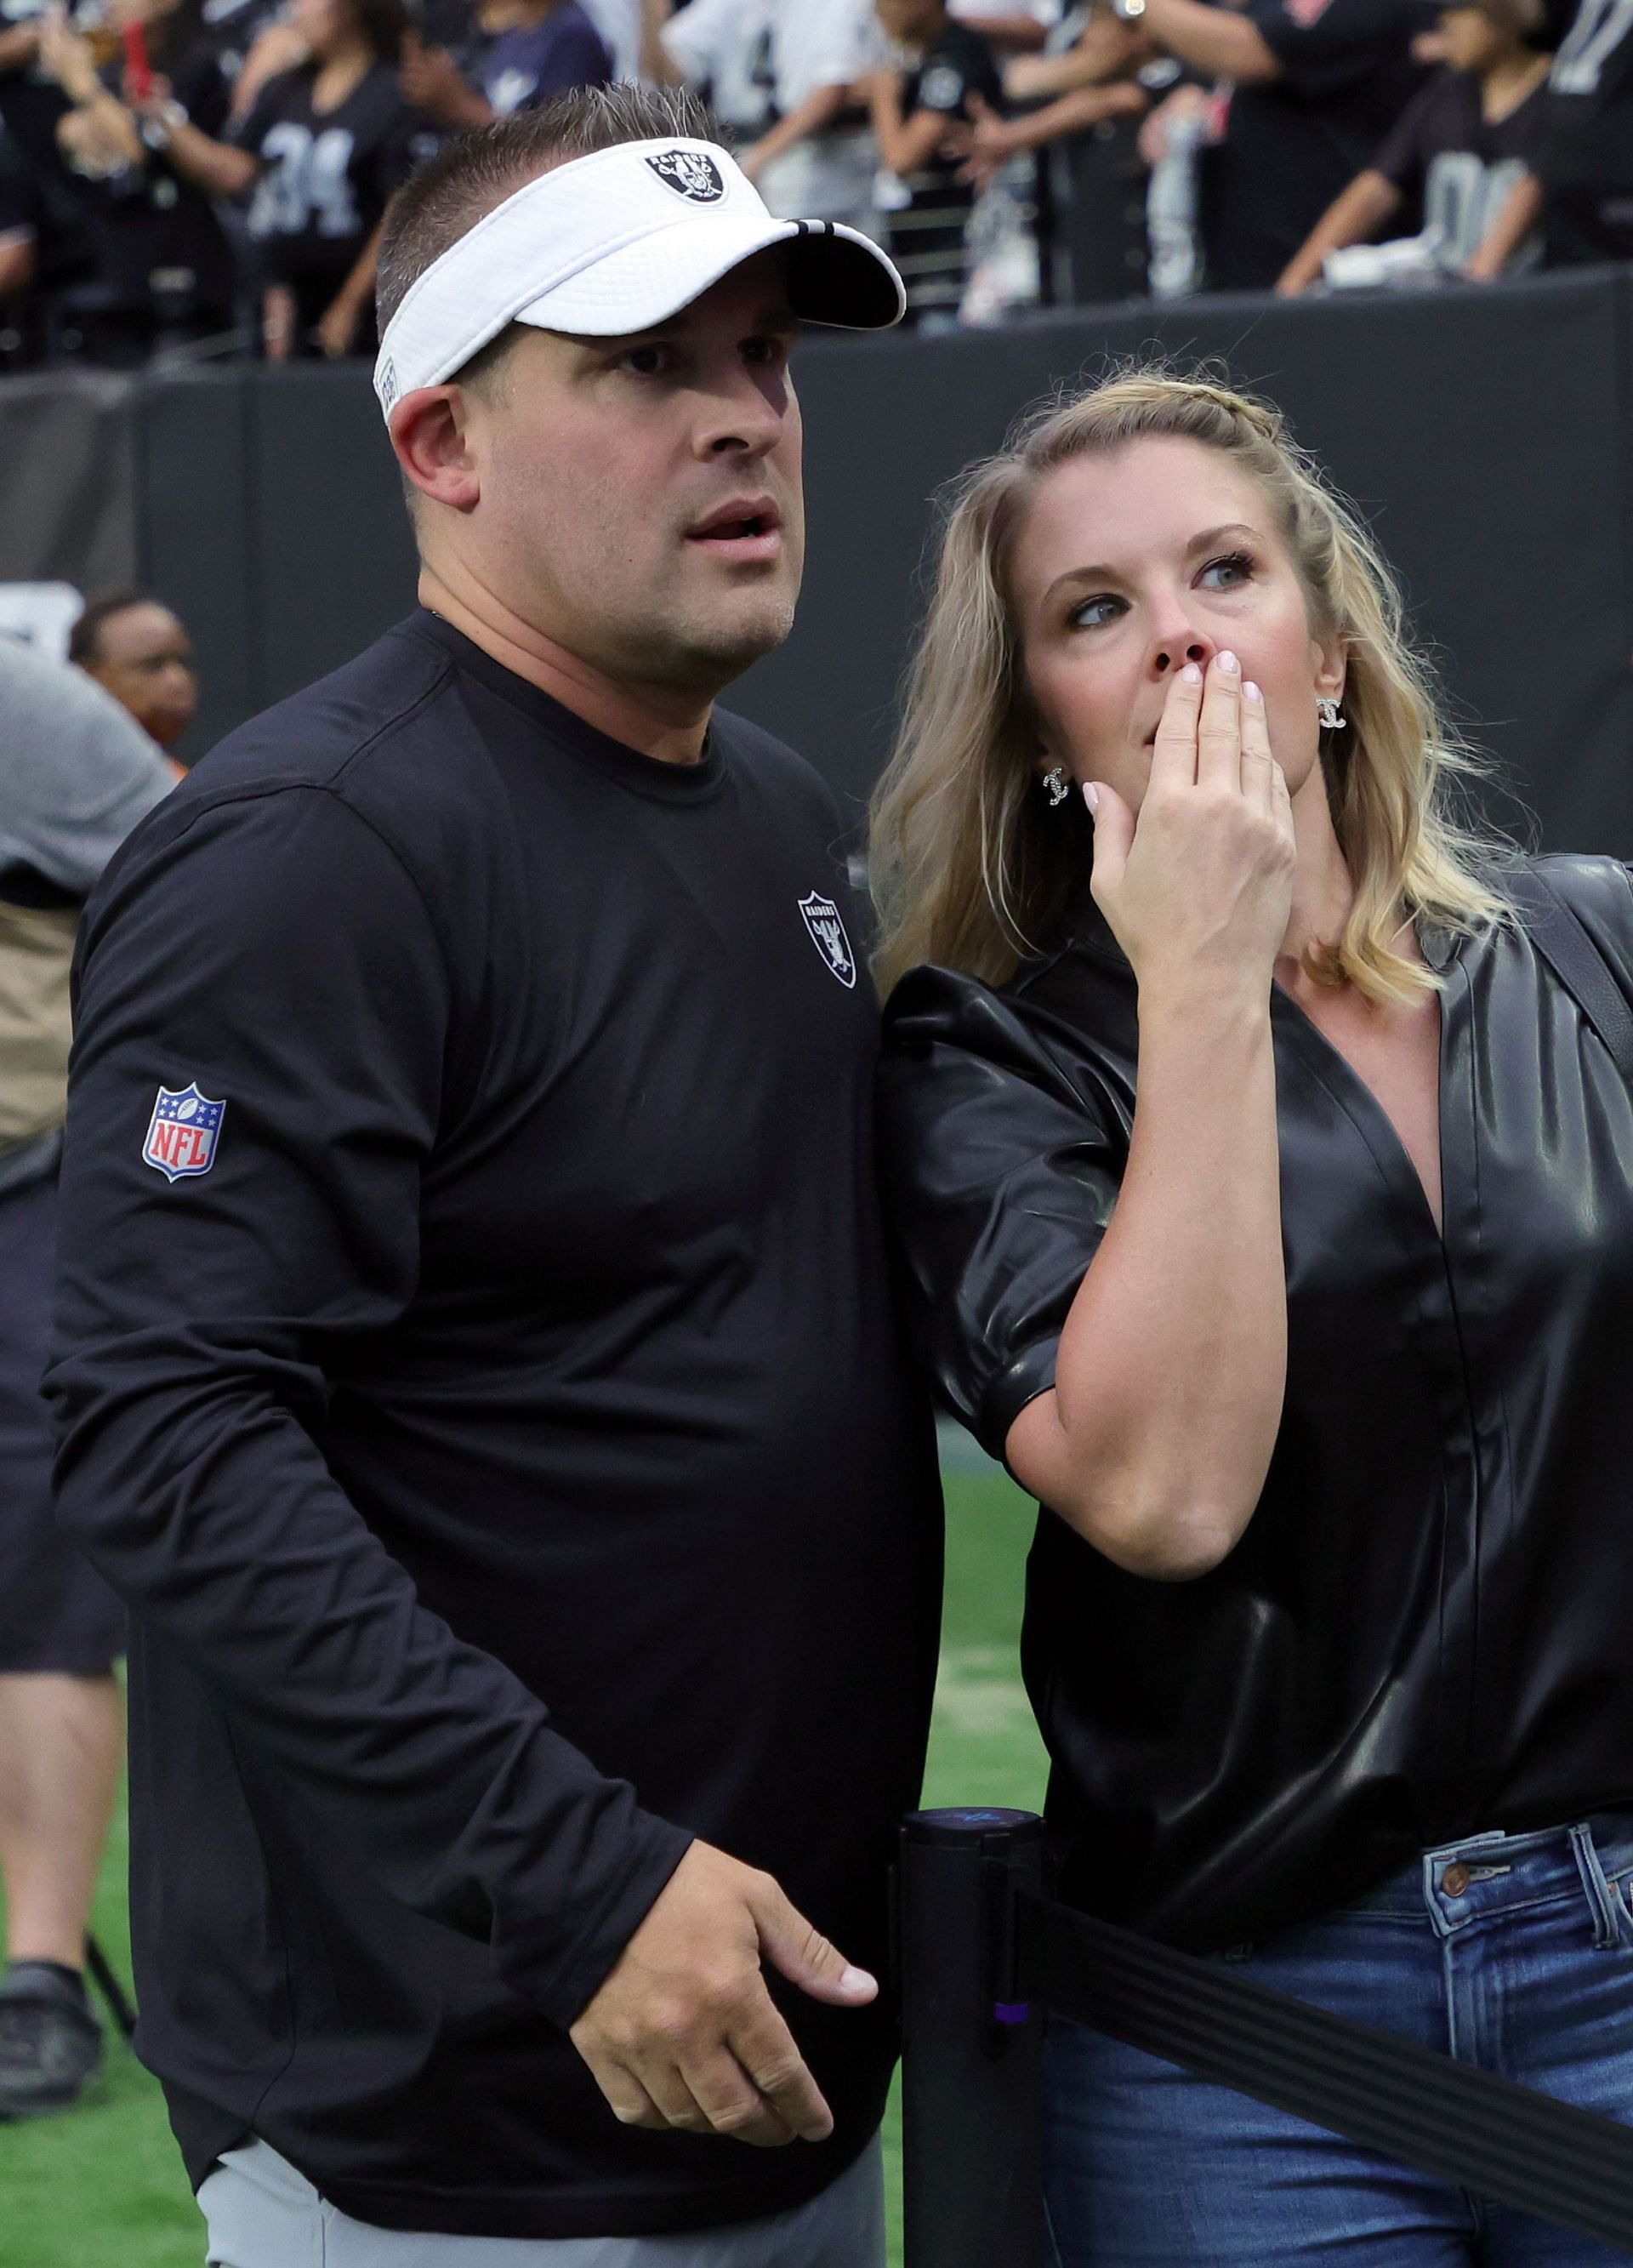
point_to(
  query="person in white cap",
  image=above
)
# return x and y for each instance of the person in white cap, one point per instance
(476, 1364)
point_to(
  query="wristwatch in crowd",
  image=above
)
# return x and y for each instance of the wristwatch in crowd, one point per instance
(161, 123)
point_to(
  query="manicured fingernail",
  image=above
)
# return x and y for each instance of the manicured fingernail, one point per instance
(858, 1980)
(1250, 691)
(1227, 660)
(1091, 795)
(1190, 674)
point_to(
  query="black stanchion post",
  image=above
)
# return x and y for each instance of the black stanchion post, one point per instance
(972, 2186)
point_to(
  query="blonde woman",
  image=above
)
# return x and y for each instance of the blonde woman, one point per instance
(1310, 1339)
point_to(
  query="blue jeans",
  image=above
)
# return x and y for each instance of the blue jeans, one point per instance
(1513, 1952)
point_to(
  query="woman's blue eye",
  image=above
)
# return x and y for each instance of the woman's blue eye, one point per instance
(1091, 613)
(1235, 565)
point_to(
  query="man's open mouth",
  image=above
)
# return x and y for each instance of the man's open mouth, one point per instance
(747, 520)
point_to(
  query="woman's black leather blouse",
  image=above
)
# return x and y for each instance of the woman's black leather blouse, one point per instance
(1427, 1629)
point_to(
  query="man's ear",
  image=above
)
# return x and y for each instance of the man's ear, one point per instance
(429, 434)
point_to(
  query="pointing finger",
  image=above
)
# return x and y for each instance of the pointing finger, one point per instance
(1219, 726)
(1174, 758)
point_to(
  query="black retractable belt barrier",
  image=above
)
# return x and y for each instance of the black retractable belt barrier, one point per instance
(1506, 2143)
(972, 2139)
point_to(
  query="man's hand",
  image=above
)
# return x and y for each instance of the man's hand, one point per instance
(684, 2033)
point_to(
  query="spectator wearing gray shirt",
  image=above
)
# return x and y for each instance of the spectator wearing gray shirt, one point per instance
(76, 774)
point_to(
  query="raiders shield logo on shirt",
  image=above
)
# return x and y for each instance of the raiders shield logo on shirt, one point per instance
(689, 173)
(827, 926)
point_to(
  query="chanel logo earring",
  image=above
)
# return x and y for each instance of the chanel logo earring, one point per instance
(1332, 716)
(1054, 785)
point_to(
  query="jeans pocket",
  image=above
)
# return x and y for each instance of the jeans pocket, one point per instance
(1613, 1922)
(1622, 1912)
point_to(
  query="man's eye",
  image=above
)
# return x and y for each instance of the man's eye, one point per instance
(646, 362)
(1234, 569)
(1092, 614)
(770, 352)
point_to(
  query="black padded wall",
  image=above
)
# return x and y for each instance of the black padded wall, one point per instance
(1487, 436)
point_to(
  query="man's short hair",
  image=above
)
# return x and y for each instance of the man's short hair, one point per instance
(478, 169)
(85, 638)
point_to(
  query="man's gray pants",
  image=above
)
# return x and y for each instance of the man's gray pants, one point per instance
(261, 2213)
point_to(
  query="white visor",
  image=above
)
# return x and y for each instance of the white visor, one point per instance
(616, 242)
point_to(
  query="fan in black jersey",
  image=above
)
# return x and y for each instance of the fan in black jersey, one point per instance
(1311, 87)
(31, 107)
(1581, 186)
(951, 79)
(1456, 152)
(323, 148)
(1587, 157)
(163, 268)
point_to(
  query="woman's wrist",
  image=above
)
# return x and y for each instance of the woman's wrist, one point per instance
(1198, 1002)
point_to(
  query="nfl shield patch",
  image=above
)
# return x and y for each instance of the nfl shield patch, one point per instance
(182, 1133)
(827, 926)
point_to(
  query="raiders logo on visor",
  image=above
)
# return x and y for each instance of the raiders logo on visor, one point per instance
(689, 173)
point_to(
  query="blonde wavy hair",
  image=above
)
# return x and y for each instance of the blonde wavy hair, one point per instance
(968, 867)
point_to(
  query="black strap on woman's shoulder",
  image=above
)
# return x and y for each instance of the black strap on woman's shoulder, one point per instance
(1562, 939)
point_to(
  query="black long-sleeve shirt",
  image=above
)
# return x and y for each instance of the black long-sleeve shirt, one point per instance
(500, 1434)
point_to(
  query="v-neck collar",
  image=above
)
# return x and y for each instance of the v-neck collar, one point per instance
(1088, 931)
(1357, 1098)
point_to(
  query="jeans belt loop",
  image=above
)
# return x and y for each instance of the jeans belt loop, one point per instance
(1601, 1898)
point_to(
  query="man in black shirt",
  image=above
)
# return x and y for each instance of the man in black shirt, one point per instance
(474, 1304)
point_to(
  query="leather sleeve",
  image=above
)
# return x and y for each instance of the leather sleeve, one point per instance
(1003, 1157)
(1600, 892)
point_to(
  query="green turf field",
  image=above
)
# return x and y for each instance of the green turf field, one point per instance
(102, 2187)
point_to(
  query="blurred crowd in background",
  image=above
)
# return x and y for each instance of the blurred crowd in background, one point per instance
(195, 179)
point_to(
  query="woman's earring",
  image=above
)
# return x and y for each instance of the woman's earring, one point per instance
(1054, 783)
(1332, 716)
